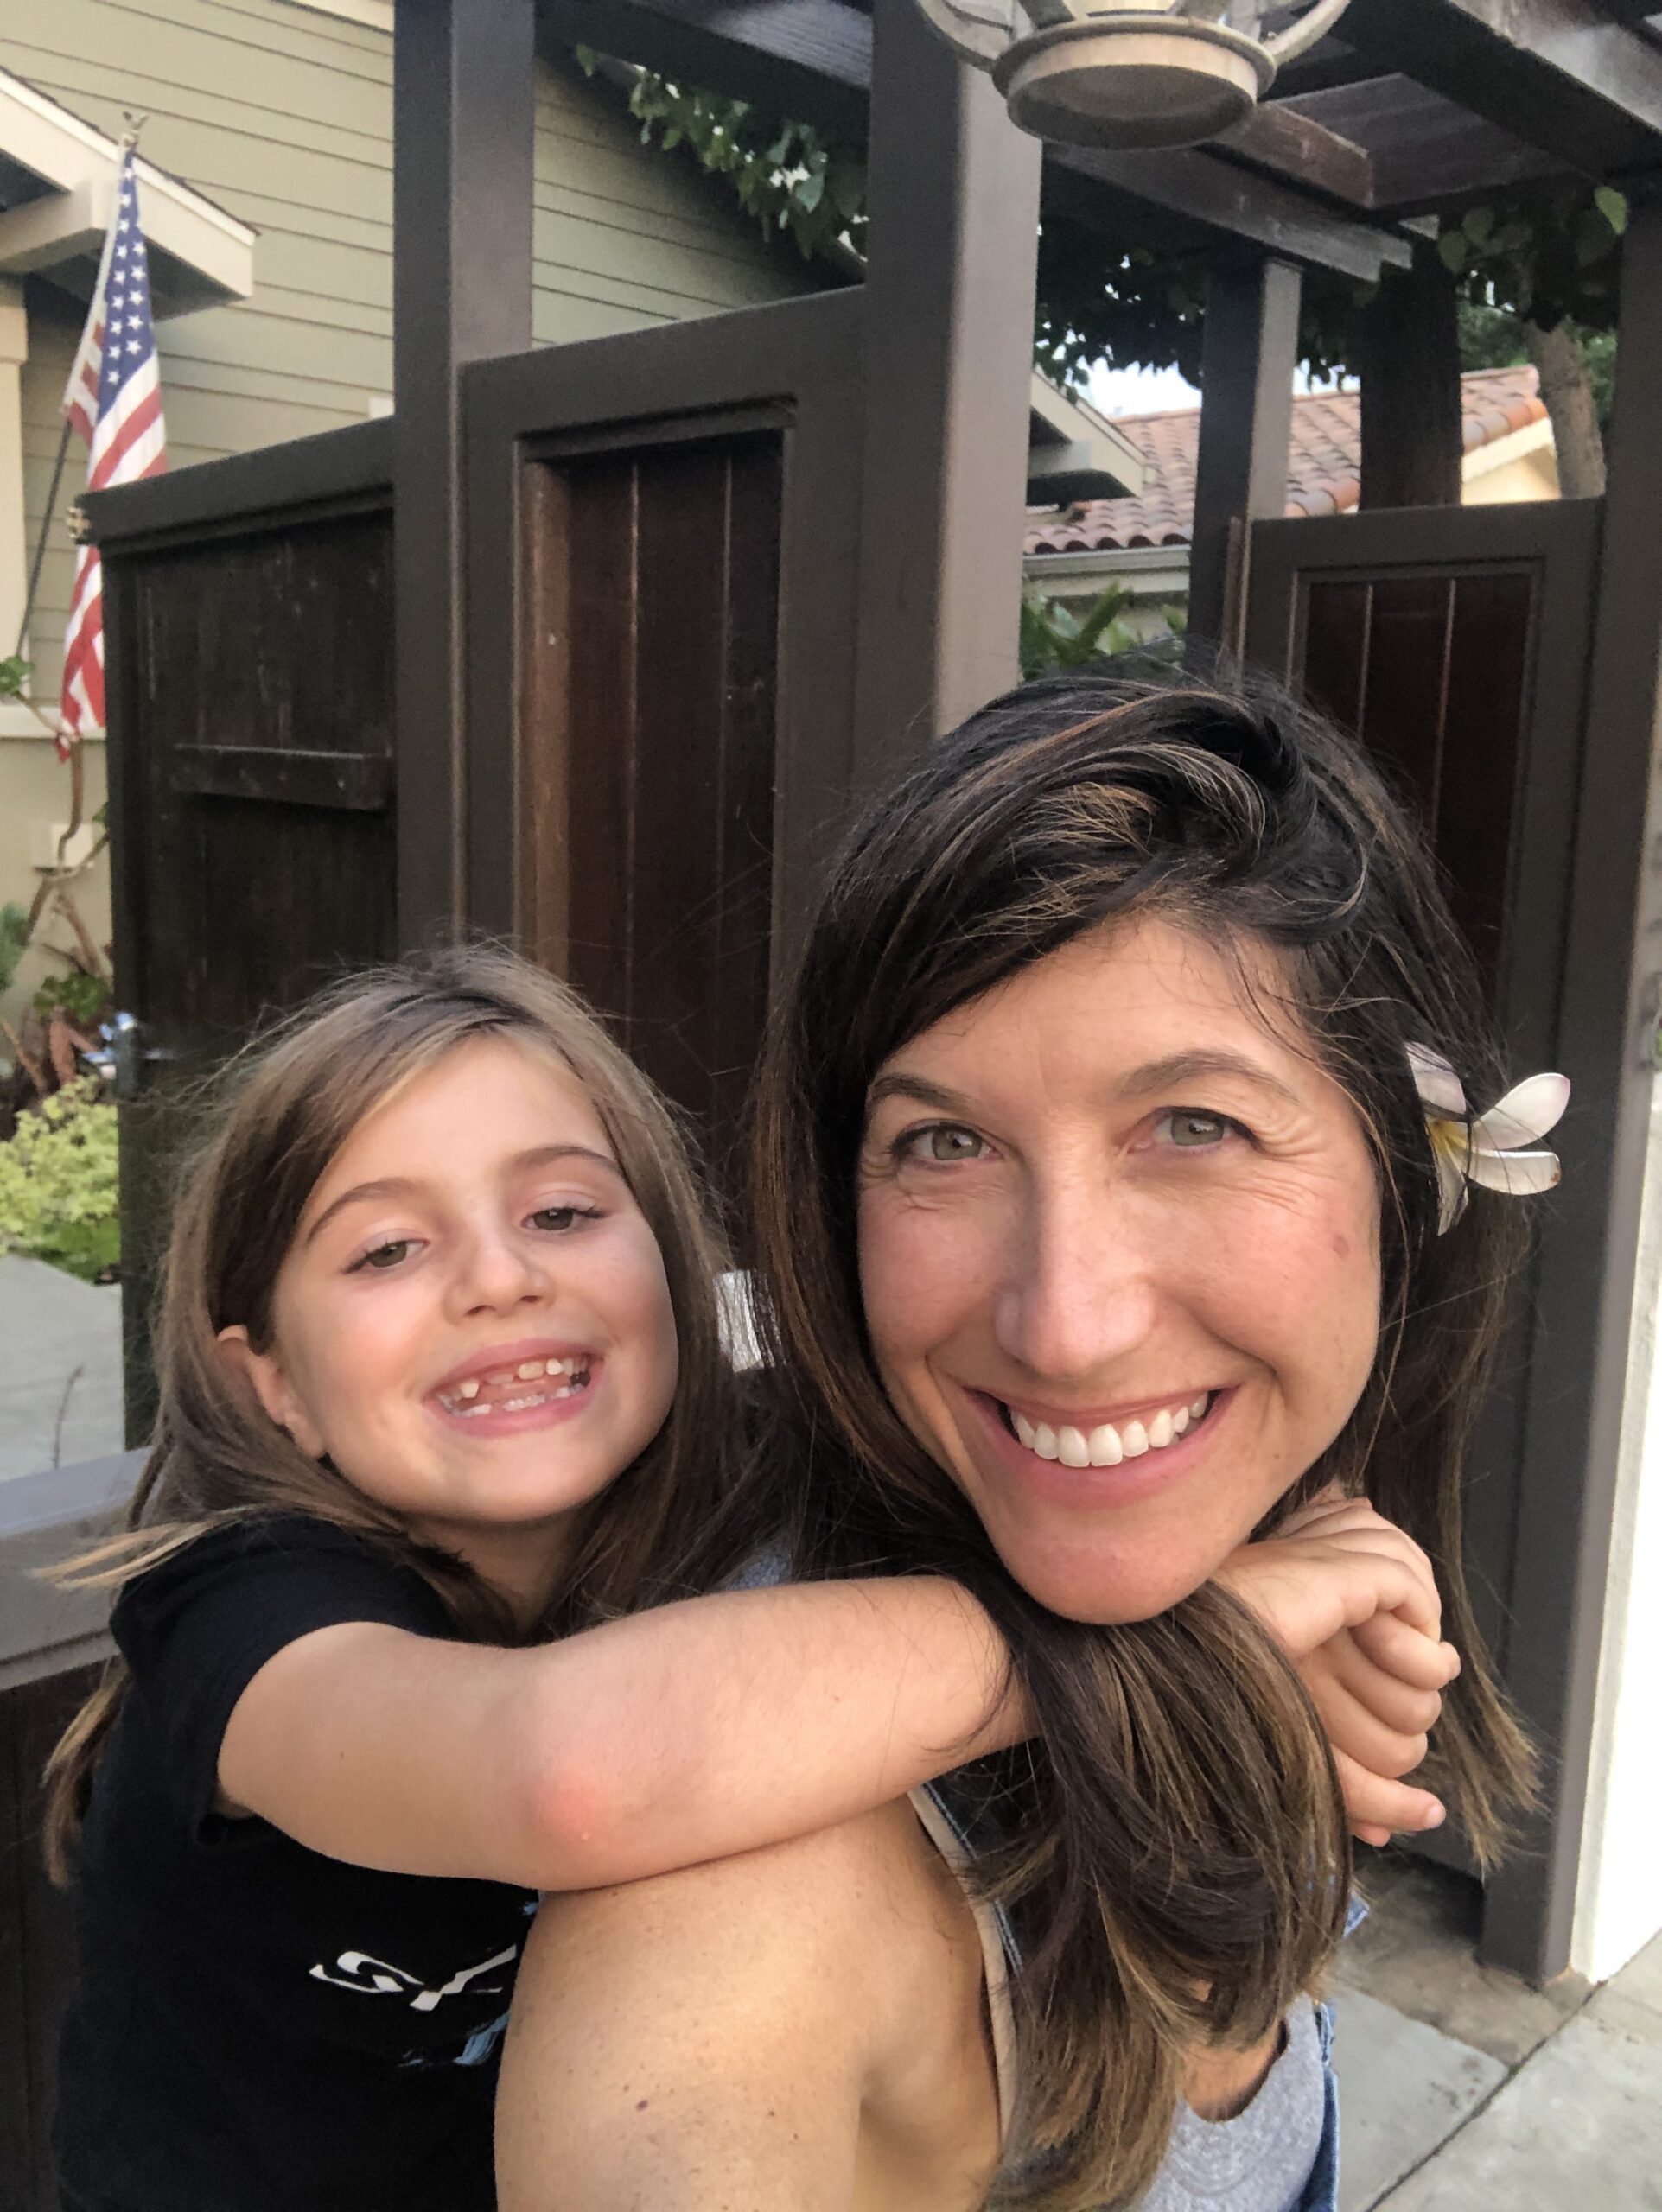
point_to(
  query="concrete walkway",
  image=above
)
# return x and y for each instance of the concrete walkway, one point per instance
(1463, 2090)
(60, 1368)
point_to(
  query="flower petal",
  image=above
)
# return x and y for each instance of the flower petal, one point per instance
(1452, 1194)
(1439, 1087)
(1520, 1174)
(1524, 1115)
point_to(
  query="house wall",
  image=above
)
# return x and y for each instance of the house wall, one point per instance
(1619, 1897)
(283, 116)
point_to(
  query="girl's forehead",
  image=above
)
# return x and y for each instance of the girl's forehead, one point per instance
(486, 1100)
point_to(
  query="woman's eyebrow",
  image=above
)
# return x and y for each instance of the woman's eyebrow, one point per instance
(899, 1084)
(405, 1187)
(1180, 1068)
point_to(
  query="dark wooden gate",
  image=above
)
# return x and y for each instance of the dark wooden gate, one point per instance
(1455, 643)
(664, 542)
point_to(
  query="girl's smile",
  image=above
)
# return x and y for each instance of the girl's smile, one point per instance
(472, 1323)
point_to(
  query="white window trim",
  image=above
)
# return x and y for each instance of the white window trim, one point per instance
(374, 15)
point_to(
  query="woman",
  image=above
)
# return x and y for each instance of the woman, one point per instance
(1099, 1218)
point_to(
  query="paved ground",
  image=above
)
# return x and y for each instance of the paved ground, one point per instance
(1463, 2090)
(60, 1368)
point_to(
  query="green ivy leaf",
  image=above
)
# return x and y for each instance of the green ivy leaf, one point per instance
(1478, 224)
(1453, 250)
(1613, 206)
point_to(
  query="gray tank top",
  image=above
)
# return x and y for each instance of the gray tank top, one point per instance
(1259, 2161)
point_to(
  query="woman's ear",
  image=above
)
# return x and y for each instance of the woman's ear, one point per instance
(263, 1371)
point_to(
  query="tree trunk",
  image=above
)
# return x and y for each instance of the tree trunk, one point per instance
(1567, 395)
(1412, 444)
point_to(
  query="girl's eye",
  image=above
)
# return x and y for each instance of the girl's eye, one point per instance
(942, 1144)
(384, 1256)
(1195, 1131)
(557, 1219)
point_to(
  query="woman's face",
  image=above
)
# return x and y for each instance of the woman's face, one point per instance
(1119, 1256)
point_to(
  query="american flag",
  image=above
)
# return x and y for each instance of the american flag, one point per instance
(114, 399)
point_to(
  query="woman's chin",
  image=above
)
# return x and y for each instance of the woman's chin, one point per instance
(1104, 1589)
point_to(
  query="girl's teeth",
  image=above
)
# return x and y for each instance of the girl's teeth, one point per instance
(529, 1370)
(468, 1389)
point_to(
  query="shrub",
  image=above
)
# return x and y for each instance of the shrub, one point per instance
(58, 1183)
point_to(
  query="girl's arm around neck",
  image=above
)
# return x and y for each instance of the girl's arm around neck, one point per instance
(662, 1740)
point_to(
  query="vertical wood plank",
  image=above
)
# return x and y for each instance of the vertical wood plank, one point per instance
(1248, 356)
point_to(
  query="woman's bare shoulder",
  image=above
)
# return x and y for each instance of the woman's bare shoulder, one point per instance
(724, 2021)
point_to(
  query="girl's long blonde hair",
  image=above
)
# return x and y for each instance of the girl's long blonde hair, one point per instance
(286, 1105)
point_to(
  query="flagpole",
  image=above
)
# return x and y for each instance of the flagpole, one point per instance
(40, 543)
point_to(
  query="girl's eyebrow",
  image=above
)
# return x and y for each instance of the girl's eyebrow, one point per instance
(405, 1186)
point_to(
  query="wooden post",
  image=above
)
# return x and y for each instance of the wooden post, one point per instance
(463, 109)
(1412, 440)
(1246, 420)
(954, 204)
(1607, 1041)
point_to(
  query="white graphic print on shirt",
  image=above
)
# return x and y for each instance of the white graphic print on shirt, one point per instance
(356, 1970)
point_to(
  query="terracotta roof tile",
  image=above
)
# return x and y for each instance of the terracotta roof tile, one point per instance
(1324, 464)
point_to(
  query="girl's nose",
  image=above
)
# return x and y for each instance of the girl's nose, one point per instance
(1079, 1288)
(499, 1270)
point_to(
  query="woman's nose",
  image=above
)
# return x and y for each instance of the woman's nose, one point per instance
(1079, 1288)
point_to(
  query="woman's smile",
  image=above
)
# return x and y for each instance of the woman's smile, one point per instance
(1108, 1220)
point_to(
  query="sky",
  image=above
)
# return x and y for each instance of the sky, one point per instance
(1139, 391)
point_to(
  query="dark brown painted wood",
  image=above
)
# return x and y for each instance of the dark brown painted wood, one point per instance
(1412, 433)
(1588, 94)
(249, 647)
(1455, 642)
(953, 252)
(1423, 151)
(1247, 417)
(1612, 993)
(463, 112)
(1288, 143)
(813, 59)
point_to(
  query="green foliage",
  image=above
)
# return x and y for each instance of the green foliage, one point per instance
(82, 997)
(58, 1183)
(14, 675)
(1549, 253)
(1490, 338)
(791, 178)
(1054, 638)
(14, 936)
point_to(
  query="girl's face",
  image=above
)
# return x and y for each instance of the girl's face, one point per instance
(473, 1321)
(1119, 1256)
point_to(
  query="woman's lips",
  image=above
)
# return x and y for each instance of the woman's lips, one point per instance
(1098, 1479)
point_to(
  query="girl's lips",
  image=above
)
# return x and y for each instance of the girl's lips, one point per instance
(1083, 1488)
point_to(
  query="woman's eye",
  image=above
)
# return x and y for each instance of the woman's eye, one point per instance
(944, 1143)
(560, 1218)
(1197, 1131)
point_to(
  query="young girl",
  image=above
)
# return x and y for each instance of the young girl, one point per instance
(442, 1397)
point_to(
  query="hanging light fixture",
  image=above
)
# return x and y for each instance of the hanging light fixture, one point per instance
(1129, 72)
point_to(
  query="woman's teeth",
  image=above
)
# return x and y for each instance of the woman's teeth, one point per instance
(1106, 1446)
(464, 1399)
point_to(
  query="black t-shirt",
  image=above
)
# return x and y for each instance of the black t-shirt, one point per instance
(256, 2028)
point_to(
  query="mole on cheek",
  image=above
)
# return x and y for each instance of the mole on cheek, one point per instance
(1340, 1245)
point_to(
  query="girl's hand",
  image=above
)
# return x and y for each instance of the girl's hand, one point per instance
(1352, 1600)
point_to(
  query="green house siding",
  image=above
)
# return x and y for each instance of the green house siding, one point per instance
(283, 116)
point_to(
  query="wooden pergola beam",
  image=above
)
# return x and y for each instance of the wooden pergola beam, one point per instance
(1422, 150)
(1561, 74)
(812, 59)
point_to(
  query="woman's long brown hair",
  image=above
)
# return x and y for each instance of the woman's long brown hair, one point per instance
(1174, 1846)
(283, 1110)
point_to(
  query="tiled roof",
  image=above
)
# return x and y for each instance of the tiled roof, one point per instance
(1323, 472)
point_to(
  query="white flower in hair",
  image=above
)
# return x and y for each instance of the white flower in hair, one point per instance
(1497, 1149)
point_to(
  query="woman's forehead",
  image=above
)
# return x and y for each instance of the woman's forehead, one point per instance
(1131, 993)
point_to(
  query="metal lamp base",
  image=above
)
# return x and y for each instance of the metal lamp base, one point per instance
(1132, 80)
